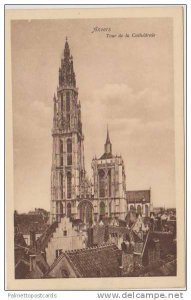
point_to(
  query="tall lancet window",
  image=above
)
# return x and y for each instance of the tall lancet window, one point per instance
(61, 185)
(62, 102)
(69, 152)
(67, 101)
(102, 209)
(101, 183)
(109, 183)
(69, 185)
(69, 210)
(61, 209)
(68, 109)
(61, 153)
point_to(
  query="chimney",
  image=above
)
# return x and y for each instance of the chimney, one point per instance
(32, 261)
(90, 236)
(127, 263)
(32, 238)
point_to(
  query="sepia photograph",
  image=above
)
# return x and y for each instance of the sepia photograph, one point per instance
(96, 148)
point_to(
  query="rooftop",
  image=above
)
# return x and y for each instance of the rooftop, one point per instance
(43, 240)
(106, 156)
(28, 222)
(138, 196)
(101, 261)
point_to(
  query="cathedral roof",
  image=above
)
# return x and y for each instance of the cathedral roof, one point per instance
(138, 196)
(106, 155)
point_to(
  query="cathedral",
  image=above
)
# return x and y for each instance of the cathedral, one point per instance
(73, 194)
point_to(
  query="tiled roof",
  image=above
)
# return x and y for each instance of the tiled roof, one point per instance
(40, 269)
(166, 241)
(98, 235)
(169, 269)
(106, 155)
(164, 269)
(123, 231)
(101, 233)
(101, 261)
(21, 269)
(138, 196)
(43, 240)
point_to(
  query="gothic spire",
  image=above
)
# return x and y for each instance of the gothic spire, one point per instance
(108, 145)
(108, 139)
(55, 111)
(66, 71)
(66, 50)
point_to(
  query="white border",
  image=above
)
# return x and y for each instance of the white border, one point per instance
(88, 294)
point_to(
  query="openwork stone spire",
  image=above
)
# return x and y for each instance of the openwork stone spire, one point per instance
(66, 71)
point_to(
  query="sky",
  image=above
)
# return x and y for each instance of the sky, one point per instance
(126, 83)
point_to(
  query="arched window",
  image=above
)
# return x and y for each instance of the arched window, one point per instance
(62, 102)
(139, 209)
(85, 210)
(146, 210)
(57, 207)
(101, 183)
(67, 101)
(131, 207)
(69, 152)
(61, 185)
(69, 211)
(102, 209)
(110, 208)
(69, 185)
(61, 209)
(69, 146)
(61, 146)
(109, 182)
(68, 120)
(61, 153)
(68, 109)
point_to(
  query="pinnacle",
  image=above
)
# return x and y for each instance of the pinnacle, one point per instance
(108, 139)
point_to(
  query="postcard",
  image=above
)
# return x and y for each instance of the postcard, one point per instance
(95, 148)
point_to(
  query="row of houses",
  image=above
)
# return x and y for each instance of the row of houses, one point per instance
(108, 248)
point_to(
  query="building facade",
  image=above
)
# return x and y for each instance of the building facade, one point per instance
(109, 184)
(65, 237)
(139, 201)
(72, 193)
(68, 180)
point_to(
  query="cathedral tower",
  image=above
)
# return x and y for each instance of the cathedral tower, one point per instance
(109, 184)
(68, 170)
